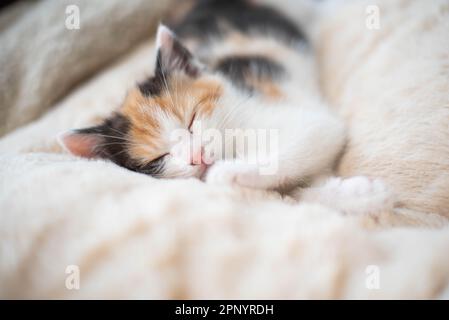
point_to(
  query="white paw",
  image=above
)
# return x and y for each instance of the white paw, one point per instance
(230, 172)
(221, 172)
(355, 195)
(359, 186)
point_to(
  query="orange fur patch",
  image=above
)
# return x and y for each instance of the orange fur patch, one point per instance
(184, 98)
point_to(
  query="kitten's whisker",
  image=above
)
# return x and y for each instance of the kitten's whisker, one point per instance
(114, 137)
(116, 130)
(233, 111)
(176, 88)
(117, 153)
(142, 109)
(147, 110)
(118, 143)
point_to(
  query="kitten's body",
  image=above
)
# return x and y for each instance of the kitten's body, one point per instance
(267, 59)
(232, 66)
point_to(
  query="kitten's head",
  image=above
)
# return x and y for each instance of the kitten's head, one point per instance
(153, 131)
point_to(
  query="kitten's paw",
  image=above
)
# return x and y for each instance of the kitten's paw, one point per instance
(355, 195)
(221, 173)
(359, 186)
(231, 173)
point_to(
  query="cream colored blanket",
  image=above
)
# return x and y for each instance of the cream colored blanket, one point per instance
(73, 228)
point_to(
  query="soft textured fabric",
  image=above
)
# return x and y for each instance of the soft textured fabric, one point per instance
(392, 87)
(133, 236)
(41, 59)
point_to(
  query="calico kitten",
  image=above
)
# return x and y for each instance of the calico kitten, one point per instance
(227, 66)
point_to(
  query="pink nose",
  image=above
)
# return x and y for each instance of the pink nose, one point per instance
(197, 156)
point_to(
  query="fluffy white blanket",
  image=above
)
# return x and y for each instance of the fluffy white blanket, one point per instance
(132, 236)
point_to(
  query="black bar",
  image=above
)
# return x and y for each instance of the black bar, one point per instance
(223, 309)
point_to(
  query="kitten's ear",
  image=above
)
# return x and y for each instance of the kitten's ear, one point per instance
(83, 143)
(173, 55)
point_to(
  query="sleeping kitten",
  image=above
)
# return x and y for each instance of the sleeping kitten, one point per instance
(230, 71)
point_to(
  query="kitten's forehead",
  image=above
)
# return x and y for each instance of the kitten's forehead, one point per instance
(174, 99)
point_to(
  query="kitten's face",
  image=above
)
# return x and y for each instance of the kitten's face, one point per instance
(154, 131)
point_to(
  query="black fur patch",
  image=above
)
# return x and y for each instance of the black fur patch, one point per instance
(239, 68)
(153, 85)
(113, 133)
(177, 58)
(154, 168)
(207, 18)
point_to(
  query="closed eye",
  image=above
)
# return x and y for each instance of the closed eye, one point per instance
(160, 157)
(191, 122)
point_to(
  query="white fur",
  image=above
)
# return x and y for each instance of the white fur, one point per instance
(310, 136)
(355, 195)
